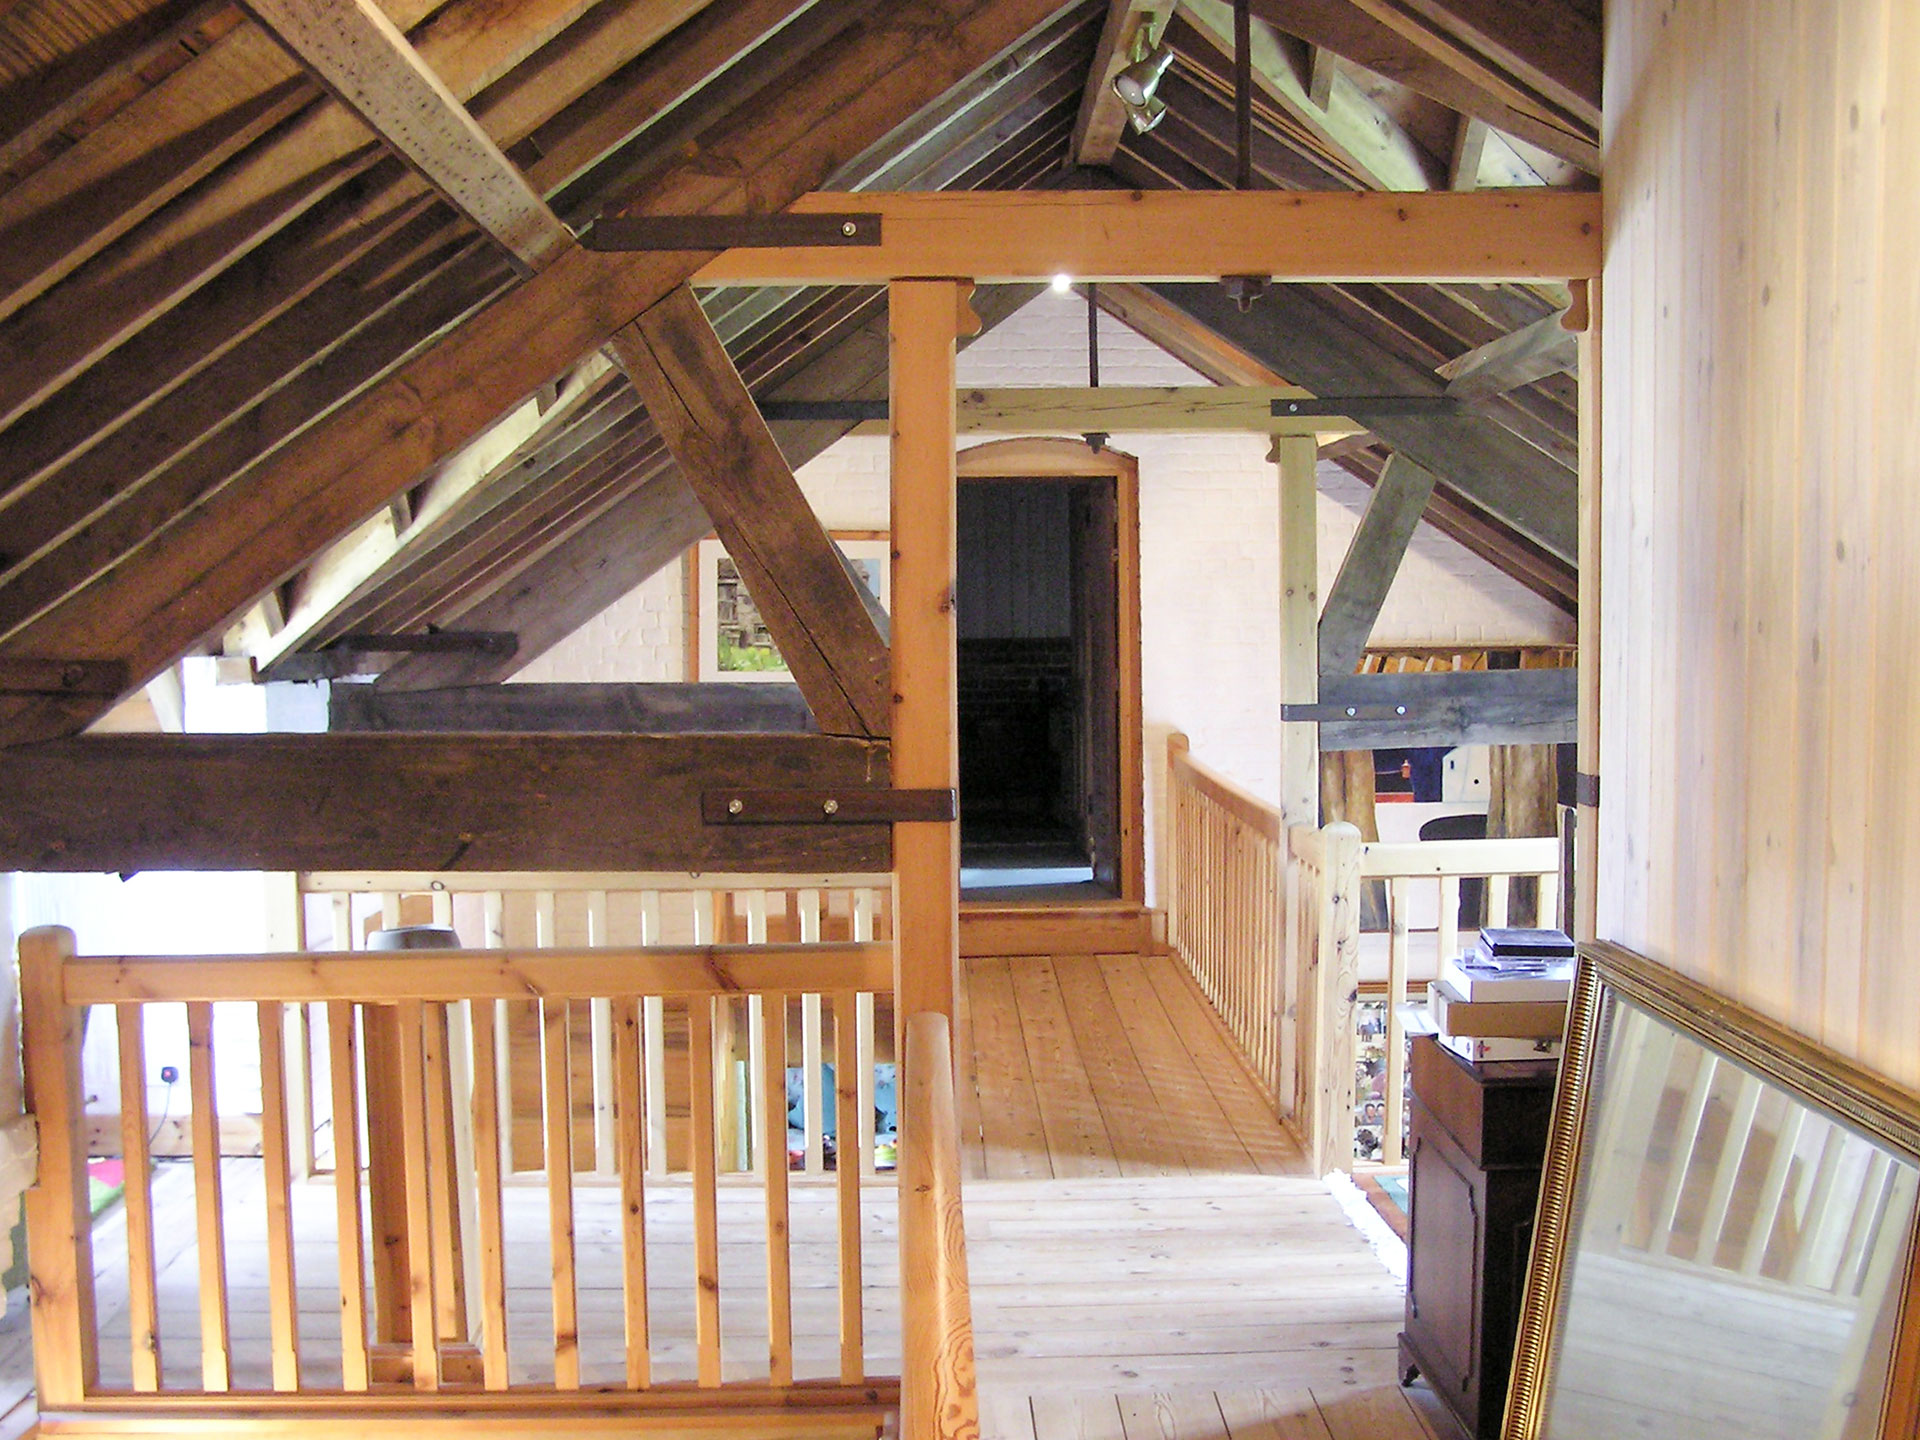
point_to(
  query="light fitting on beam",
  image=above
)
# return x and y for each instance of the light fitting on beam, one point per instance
(1145, 117)
(1136, 84)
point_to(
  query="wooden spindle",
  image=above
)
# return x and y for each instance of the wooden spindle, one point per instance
(1498, 887)
(443, 1187)
(600, 1036)
(813, 1107)
(415, 1185)
(1686, 1137)
(846, 1095)
(863, 1078)
(489, 1231)
(706, 1199)
(344, 1065)
(631, 1132)
(1773, 1188)
(1449, 926)
(143, 1306)
(59, 1217)
(1398, 898)
(283, 1319)
(653, 1019)
(556, 1035)
(773, 1123)
(216, 1359)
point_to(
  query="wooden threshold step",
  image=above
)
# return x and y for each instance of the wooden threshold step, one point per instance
(1103, 928)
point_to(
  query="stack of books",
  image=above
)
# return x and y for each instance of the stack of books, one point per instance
(1506, 999)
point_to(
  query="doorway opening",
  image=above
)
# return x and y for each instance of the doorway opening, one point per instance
(1047, 684)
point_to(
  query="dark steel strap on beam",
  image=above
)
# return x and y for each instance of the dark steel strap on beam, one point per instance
(827, 807)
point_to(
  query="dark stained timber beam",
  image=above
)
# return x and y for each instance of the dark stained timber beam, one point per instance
(1448, 707)
(807, 596)
(1546, 347)
(404, 802)
(639, 709)
(1372, 560)
(215, 560)
(1289, 330)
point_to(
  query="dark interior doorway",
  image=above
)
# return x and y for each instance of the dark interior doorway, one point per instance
(1038, 605)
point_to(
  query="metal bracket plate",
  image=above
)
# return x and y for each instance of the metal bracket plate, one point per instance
(1586, 788)
(729, 232)
(827, 807)
(1346, 712)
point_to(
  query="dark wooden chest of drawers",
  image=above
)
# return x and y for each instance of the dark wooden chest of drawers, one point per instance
(1479, 1134)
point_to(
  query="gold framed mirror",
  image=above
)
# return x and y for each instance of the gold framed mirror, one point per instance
(1725, 1240)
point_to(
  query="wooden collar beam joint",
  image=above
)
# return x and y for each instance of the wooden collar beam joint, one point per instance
(730, 232)
(63, 677)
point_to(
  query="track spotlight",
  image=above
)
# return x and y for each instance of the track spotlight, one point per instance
(1136, 84)
(1145, 117)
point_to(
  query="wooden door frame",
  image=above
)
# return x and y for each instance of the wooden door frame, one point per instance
(1063, 459)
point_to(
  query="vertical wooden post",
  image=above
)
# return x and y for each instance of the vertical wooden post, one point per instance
(1586, 836)
(924, 321)
(1299, 625)
(1299, 742)
(59, 1219)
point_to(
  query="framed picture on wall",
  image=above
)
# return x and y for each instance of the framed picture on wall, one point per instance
(727, 640)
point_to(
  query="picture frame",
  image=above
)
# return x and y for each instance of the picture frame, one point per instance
(1726, 1234)
(725, 641)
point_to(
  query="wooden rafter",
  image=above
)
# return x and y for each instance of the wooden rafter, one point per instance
(1546, 347)
(1342, 117)
(365, 60)
(1372, 560)
(1352, 32)
(809, 600)
(215, 559)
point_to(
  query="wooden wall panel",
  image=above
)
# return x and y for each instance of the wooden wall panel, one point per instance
(1760, 746)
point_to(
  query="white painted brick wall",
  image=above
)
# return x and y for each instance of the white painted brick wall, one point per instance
(1209, 562)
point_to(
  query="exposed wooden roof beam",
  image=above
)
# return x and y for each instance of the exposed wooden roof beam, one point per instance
(1355, 34)
(546, 802)
(1372, 560)
(1135, 235)
(653, 526)
(364, 59)
(1540, 55)
(1543, 348)
(1290, 331)
(638, 709)
(213, 561)
(809, 600)
(1350, 123)
(1103, 118)
(158, 264)
(1469, 146)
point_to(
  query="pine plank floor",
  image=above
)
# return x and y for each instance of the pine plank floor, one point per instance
(1150, 1259)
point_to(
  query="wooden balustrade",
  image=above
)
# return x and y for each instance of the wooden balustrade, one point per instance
(1268, 922)
(1406, 866)
(1224, 912)
(937, 1397)
(429, 1313)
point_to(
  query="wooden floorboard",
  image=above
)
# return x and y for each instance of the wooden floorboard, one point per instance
(1149, 1258)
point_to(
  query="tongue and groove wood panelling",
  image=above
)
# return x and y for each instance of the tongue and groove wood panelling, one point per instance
(1760, 778)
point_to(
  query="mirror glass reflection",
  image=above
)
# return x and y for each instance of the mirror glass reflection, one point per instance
(1733, 1258)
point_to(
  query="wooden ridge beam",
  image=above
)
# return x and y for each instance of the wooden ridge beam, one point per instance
(635, 709)
(1446, 707)
(1534, 234)
(806, 595)
(364, 59)
(441, 802)
(1372, 560)
(1102, 118)
(216, 559)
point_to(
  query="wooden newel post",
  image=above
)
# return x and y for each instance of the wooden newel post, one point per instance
(924, 322)
(59, 1218)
